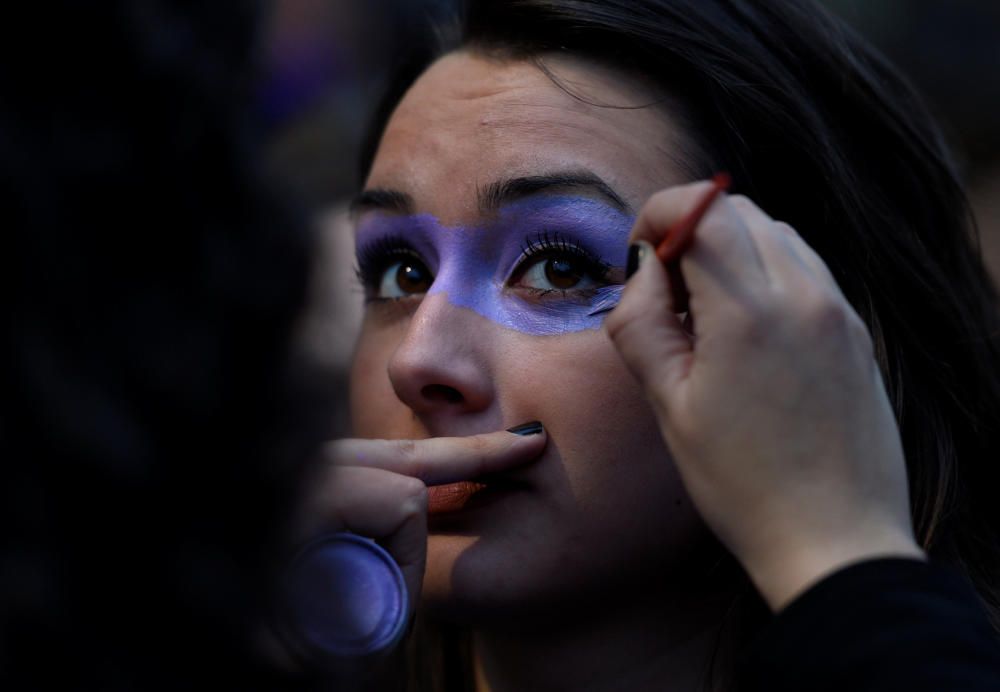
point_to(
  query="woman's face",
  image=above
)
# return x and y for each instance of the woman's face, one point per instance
(492, 240)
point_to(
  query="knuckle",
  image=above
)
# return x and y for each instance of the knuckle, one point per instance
(717, 223)
(406, 449)
(613, 322)
(664, 203)
(617, 322)
(741, 201)
(628, 308)
(651, 214)
(414, 458)
(860, 334)
(659, 200)
(413, 499)
(785, 228)
(478, 444)
(829, 318)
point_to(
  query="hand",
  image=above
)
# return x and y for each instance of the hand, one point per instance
(774, 408)
(378, 488)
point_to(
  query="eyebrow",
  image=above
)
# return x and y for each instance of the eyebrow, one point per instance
(498, 193)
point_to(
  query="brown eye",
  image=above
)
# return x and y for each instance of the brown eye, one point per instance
(413, 277)
(563, 273)
(559, 272)
(405, 277)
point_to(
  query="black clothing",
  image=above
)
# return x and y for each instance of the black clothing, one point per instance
(887, 624)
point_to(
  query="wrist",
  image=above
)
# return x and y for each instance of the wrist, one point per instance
(785, 574)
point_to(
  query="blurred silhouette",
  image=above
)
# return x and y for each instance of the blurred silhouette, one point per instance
(156, 419)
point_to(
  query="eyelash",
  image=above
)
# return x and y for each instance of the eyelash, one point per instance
(375, 258)
(548, 245)
(552, 244)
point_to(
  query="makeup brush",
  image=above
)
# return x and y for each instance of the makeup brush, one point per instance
(679, 238)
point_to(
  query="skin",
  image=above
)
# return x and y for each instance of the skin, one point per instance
(776, 411)
(477, 267)
(479, 121)
(579, 529)
(590, 574)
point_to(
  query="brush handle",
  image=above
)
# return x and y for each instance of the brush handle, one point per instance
(679, 238)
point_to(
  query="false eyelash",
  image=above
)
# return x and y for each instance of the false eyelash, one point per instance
(552, 243)
(373, 258)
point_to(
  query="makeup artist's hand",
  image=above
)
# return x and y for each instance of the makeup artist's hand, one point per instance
(378, 488)
(775, 411)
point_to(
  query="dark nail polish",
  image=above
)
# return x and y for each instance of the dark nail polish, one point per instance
(532, 428)
(634, 256)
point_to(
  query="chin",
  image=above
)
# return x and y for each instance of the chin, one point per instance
(458, 585)
(472, 582)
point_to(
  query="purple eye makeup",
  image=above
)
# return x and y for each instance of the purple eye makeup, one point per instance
(543, 266)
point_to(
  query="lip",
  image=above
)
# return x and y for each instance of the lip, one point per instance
(465, 496)
(445, 499)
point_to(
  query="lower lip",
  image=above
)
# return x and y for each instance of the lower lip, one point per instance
(464, 496)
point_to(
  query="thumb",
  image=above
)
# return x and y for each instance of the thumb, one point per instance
(648, 334)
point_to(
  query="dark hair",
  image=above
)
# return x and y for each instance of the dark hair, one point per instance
(153, 426)
(822, 133)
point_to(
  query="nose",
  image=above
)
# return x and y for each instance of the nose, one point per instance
(442, 365)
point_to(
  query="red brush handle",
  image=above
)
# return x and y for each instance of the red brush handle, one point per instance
(680, 236)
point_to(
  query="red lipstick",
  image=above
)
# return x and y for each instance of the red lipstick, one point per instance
(453, 499)
(444, 499)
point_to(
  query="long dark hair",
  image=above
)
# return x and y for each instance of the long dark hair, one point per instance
(821, 132)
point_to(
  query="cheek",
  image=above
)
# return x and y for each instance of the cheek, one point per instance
(609, 510)
(374, 404)
(616, 478)
(584, 388)
(603, 425)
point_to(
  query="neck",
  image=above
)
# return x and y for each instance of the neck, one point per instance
(663, 645)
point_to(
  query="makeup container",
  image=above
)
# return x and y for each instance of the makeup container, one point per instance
(343, 602)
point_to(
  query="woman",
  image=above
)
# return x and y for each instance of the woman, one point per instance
(500, 193)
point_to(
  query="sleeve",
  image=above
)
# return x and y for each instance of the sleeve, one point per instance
(886, 624)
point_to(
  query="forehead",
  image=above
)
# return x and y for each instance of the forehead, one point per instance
(470, 120)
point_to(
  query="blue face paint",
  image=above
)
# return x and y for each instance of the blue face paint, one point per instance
(483, 268)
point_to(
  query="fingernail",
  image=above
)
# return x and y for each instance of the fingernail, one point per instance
(532, 428)
(636, 254)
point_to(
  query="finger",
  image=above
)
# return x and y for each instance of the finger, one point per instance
(808, 255)
(378, 504)
(648, 335)
(722, 261)
(439, 460)
(786, 256)
(774, 249)
(367, 501)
